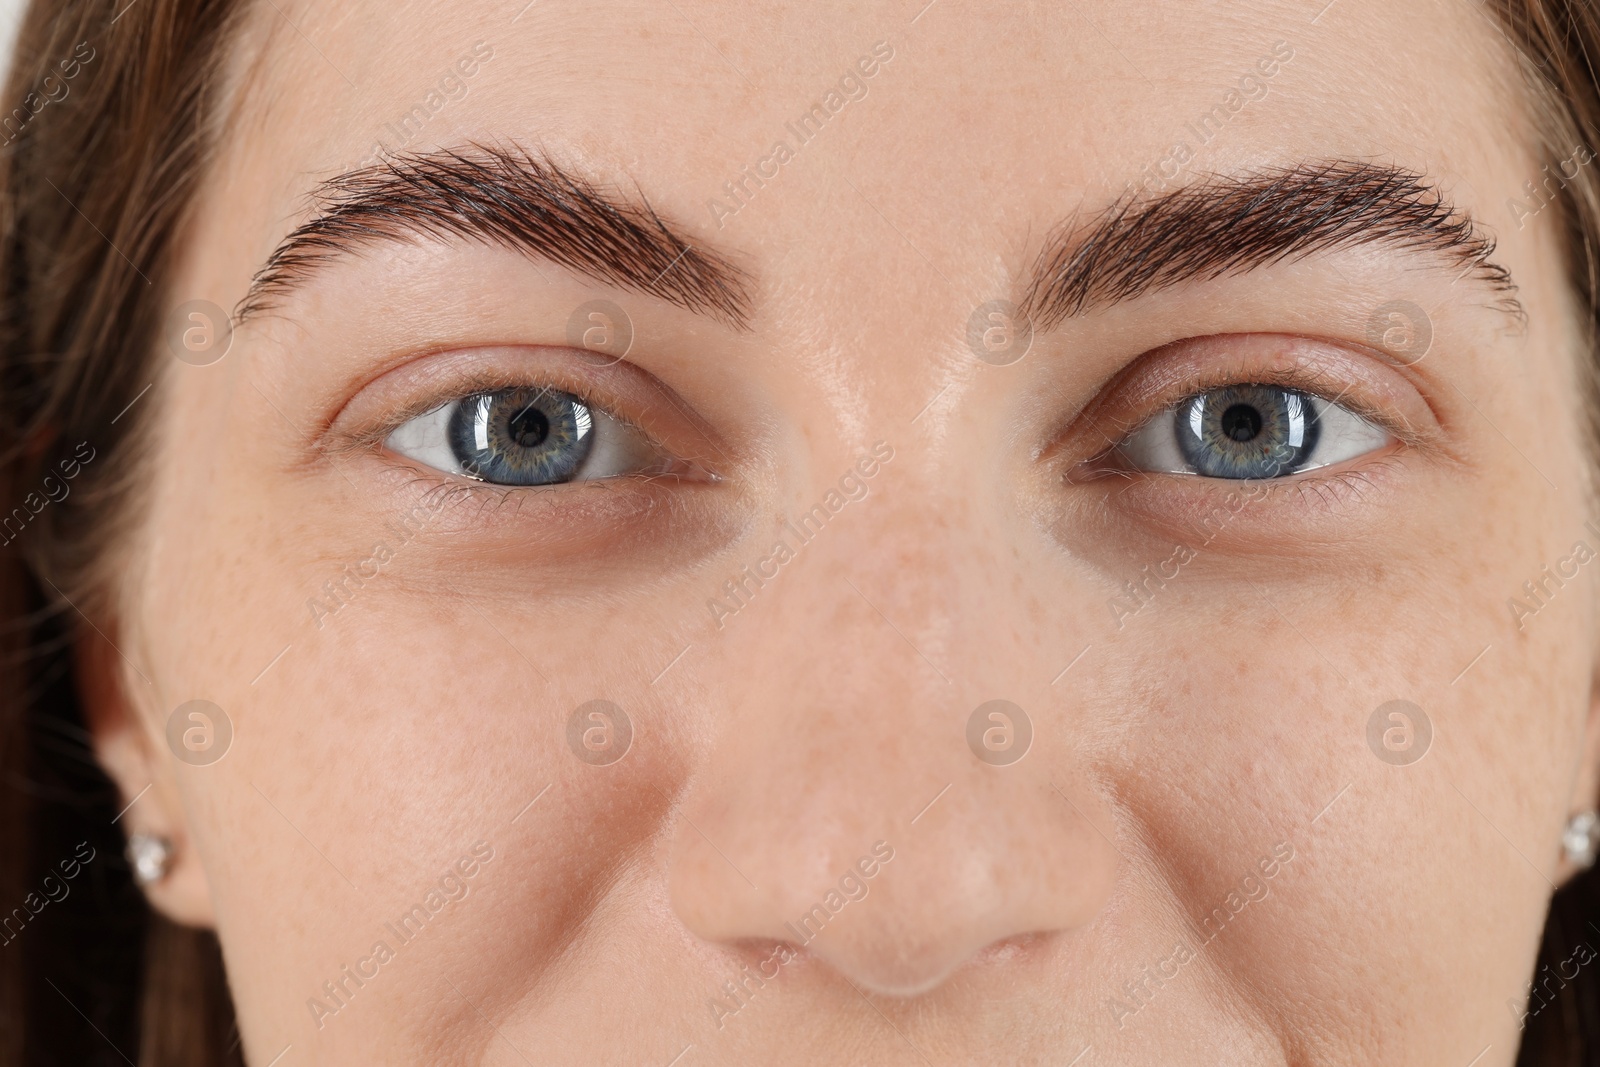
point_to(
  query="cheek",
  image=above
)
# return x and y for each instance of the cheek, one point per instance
(1259, 702)
(409, 721)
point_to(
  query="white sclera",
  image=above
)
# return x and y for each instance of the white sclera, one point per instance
(1344, 435)
(618, 448)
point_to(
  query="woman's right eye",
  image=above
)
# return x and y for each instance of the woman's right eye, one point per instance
(527, 436)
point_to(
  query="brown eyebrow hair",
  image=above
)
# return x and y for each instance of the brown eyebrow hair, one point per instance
(507, 196)
(1228, 224)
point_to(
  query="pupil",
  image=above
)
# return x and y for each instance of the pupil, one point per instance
(529, 427)
(1241, 422)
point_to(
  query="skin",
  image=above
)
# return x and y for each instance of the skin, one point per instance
(1024, 903)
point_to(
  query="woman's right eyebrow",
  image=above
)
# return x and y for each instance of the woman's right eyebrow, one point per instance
(510, 197)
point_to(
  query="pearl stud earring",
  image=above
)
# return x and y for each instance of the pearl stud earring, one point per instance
(1581, 838)
(149, 856)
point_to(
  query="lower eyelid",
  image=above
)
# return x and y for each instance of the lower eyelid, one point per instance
(560, 536)
(1314, 516)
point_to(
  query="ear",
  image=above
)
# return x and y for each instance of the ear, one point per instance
(130, 744)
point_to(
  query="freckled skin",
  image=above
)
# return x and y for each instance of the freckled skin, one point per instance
(1027, 905)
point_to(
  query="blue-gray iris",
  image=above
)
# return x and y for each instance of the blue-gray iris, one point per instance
(1247, 431)
(525, 436)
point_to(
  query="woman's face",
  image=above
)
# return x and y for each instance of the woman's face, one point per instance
(910, 421)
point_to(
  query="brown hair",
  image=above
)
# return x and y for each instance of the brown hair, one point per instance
(96, 169)
(101, 155)
(1559, 42)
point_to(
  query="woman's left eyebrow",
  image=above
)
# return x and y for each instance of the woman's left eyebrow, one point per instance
(509, 197)
(1223, 224)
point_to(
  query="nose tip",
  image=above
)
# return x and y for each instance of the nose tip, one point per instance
(903, 910)
(903, 969)
(899, 967)
(871, 952)
(885, 954)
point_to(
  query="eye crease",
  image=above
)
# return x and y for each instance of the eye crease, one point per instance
(526, 436)
(1250, 431)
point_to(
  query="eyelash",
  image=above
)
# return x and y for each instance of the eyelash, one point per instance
(478, 496)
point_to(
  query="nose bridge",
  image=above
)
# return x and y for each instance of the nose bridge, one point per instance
(824, 728)
(918, 555)
(843, 807)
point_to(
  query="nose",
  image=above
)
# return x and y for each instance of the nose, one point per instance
(844, 811)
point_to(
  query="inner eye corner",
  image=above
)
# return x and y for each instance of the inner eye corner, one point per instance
(1108, 461)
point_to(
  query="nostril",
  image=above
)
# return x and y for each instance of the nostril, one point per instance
(1012, 949)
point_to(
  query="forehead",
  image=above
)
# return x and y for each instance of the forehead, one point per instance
(758, 122)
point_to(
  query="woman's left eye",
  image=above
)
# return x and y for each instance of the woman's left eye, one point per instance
(1250, 432)
(526, 436)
